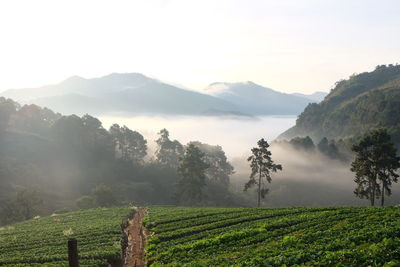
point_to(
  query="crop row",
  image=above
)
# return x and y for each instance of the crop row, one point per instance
(239, 239)
(311, 247)
(43, 241)
(217, 217)
(239, 218)
(249, 224)
(316, 237)
(295, 236)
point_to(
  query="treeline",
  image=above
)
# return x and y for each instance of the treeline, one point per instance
(374, 160)
(337, 150)
(57, 159)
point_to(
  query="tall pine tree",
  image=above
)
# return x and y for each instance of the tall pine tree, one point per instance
(192, 177)
(375, 166)
(262, 166)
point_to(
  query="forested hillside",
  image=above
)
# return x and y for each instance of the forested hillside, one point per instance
(50, 162)
(365, 101)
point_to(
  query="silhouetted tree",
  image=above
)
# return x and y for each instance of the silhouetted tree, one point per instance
(97, 140)
(136, 145)
(192, 177)
(168, 151)
(261, 165)
(323, 145)
(219, 168)
(130, 144)
(305, 143)
(329, 148)
(375, 162)
(69, 132)
(7, 108)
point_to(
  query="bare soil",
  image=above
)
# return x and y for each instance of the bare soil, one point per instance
(135, 254)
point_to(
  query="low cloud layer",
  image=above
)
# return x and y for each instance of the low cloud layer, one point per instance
(307, 179)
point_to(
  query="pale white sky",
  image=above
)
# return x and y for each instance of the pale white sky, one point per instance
(290, 46)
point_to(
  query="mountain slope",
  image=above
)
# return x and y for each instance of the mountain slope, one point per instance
(364, 101)
(258, 100)
(120, 93)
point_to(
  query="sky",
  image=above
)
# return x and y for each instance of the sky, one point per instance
(290, 46)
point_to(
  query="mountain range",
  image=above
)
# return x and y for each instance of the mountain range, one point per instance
(258, 100)
(134, 93)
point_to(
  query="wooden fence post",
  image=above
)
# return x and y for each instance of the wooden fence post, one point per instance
(73, 252)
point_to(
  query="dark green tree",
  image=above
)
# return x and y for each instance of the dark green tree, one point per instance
(333, 151)
(303, 143)
(136, 145)
(98, 141)
(220, 169)
(192, 177)
(262, 166)
(329, 148)
(323, 145)
(168, 151)
(68, 131)
(103, 196)
(130, 145)
(85, 202)
(375, 166)
(23, 206)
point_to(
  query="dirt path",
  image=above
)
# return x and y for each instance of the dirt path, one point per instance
(135, 255)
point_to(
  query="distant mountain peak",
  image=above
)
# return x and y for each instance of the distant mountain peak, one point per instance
(218, 88)
(137, 93)
(257, 99)
(124, 74)
(74, 78)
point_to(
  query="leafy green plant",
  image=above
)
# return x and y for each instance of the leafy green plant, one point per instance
(42, 241)
(344, 236)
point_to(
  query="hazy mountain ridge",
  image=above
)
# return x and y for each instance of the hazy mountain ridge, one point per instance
(134, 93)
(315, 97)
(120, 93)
(256, 99)
(365, 101)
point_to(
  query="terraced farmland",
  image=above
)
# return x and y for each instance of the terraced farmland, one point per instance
(43, 241)
(353, 236)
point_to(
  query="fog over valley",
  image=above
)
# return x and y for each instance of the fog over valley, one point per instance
(236, 134)
(199, 133)
(308, 178)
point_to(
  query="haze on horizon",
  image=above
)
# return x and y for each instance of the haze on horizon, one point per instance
(290, 46)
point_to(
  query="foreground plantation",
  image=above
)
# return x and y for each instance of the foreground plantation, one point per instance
(350, 236)
(43, 241)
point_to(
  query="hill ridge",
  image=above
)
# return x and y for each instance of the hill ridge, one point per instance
(364, 101)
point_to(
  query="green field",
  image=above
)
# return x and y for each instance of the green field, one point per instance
(43, 241)
(180, 236)
(354, 236)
